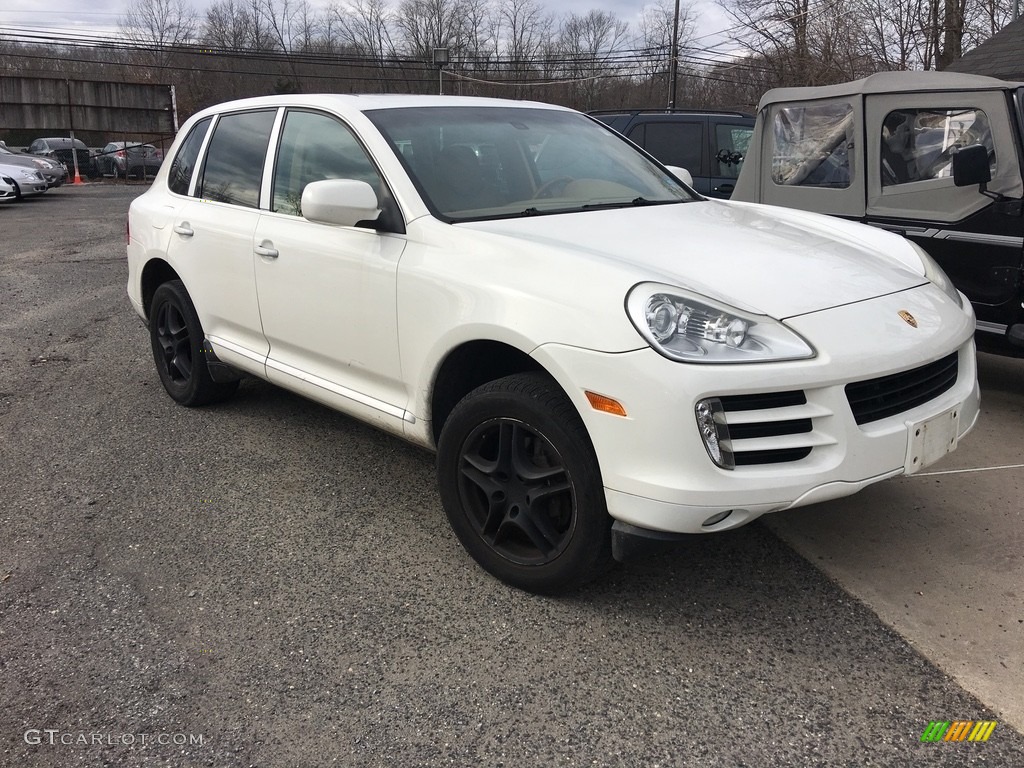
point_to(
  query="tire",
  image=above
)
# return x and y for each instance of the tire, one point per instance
(504, 442)
(177, 338)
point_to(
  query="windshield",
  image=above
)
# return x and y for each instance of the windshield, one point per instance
(485, 162)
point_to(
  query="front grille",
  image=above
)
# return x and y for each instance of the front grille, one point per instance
(889, 395)
(769, 428)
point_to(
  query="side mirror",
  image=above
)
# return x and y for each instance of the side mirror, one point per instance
(682, 174)
(970, 166)
(343, 202)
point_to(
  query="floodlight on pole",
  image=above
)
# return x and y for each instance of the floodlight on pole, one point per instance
(440, 61)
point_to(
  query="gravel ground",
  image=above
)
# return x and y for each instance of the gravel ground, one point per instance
(268, 583)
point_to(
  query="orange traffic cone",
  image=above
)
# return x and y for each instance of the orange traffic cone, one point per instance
(78, 178)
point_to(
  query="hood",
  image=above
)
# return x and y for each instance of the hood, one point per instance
(26, 161)
(762, 259)
(17, 171)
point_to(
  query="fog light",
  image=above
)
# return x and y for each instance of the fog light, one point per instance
(715, 432)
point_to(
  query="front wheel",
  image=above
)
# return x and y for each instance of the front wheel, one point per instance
(521, 487)
(177, 339)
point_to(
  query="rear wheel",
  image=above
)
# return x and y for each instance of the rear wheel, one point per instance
(521, 487)
(177, 339)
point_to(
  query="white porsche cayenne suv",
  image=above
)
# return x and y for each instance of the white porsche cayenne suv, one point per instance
(595, 352)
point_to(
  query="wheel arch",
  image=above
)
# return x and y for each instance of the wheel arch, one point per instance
(154, 274)
(471, 365)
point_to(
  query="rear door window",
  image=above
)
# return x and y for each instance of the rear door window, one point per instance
(233, 170)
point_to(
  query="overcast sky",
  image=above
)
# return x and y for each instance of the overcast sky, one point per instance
(103, 15)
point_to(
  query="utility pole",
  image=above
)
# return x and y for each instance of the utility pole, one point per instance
(673, 71)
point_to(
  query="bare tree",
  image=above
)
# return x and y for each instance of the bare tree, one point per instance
(364, 31)
(237, 25)
(590, 45)
(890, 32)
(523, 32)
(364, 27)
(158, 25)
(654, 46)
(228, 25)
(427, 24)
(777, 31)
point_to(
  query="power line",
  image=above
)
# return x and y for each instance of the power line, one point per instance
(620, 64)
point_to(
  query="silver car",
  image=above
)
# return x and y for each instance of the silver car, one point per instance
(52, 170)
(25, 181)
(124, 159)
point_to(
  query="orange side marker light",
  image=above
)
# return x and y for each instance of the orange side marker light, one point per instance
(605, 404)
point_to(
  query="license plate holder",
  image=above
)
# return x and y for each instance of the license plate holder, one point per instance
(931, 439)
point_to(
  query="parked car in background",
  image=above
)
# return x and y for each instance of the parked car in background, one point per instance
(710, 145)
(65, 150)
(25, 181)
(124, 159)
(595, 352)
(52, 170)
(8, 194)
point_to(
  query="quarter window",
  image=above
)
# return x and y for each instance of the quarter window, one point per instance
(180, 176)
(313, 147)
(813, 145)
(234, 162)
(918, 144)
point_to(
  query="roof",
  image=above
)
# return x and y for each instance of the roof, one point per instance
(62, 141)
(999, 56)
(370, 101)
(888, 82)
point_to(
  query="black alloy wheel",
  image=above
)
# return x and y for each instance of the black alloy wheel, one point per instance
(521, 487)
(177, 337)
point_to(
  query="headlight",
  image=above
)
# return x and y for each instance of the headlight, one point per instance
(694, 329)
(933, 272)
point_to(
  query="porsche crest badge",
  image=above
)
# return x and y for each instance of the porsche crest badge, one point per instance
(908, 318)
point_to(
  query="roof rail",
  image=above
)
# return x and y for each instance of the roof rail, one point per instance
(662, 110)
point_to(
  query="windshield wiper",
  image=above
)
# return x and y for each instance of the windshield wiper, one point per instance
(635, 202)
(644, 201)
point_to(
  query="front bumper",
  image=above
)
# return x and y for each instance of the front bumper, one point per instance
(658, 474)
(32, 187)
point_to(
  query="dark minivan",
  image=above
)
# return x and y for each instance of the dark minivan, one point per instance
(710, 145)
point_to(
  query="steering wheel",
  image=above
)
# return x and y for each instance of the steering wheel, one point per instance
(942, 159)
(553, 187)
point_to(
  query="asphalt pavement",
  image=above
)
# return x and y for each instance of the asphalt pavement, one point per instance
(269, 583)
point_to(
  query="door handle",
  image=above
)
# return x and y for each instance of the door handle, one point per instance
(727, 188)
(266, 251)
(184, 229)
